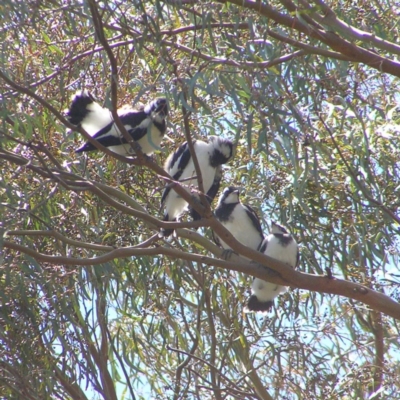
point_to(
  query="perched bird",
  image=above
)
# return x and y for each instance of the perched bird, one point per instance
(279, 244)
(180, 166)
(240, 220)
(146, 124)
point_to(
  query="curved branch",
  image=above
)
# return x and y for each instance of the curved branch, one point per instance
(377, 301)
(333, 21)
(76, 183)
(292, 278)
(331, 39)
(286, 276)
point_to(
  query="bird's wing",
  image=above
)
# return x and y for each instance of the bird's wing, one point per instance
(178, 161)
(107, 136)
(213, 191)
(175, 165)
(254, 218)
(136, 123)
(263, 245)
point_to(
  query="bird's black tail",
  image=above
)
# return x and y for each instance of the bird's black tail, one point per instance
(167, 232)
(256, 305)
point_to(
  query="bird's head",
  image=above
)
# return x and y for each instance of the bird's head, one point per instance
(224, 147)
(277, 228)
(230, 195)
(157, 109)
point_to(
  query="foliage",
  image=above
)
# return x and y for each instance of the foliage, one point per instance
(94, 305)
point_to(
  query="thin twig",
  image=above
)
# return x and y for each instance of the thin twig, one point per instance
(354, 176)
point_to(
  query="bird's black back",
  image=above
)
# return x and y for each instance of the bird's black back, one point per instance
(183, 155)
(283, 238)
(254, 219)
(132, 118)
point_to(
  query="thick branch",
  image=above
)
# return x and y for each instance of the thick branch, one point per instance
(286, 276)
(77, 183)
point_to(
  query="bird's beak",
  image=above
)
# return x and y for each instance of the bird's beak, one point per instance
(163, 111)
(165, 108)
(162, 108)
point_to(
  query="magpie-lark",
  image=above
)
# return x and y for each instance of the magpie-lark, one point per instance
(145, 124)
(181, 167)
(239, 219)
(281, 245)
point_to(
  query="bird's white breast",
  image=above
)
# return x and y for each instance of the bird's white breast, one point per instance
(96, 119)
(207, 171)
(241, 227)
(266, 291)
(152, 140)
(286, 254)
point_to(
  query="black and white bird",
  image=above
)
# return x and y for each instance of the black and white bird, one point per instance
(239, 219)
(145, 124)
(281, 245)
(180, 166)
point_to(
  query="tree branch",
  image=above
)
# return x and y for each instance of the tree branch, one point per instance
(377, 330)
(331, 39)
(98, 24)
(285, 276)
(333, 21)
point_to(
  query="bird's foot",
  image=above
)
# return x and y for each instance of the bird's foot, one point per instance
(227, 254)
